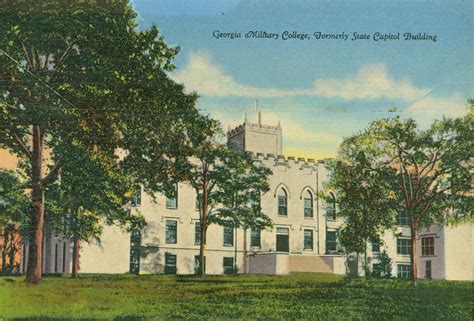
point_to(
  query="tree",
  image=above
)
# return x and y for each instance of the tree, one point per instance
(222, 179)
(365, 198)
(13, 210)
(92, 78)
(429, 171)
(93, 192)
(240, 184)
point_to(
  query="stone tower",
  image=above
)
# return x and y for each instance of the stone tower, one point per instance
(256, 138)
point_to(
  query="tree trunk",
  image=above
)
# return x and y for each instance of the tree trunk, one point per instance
(4, 250)
(13, 249)
(414, 265)
(202, 247)
(75, 256)
(365, 259)
(235, 250)
(245, 270)
(35, 240)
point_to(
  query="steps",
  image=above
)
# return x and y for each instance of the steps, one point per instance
(308, 263)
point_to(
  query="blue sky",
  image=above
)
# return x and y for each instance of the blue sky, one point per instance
(321, 90)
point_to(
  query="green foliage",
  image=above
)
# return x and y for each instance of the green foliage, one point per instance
(239, 185)
(246, 297)
(80, 78)
(384, 268)
(13, 198)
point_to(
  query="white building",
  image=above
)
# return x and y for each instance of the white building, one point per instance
(303, 237)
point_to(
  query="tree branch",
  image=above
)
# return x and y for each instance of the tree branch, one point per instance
(53, 173)
(22, 145)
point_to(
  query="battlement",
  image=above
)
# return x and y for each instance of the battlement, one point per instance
(241, 128)
(281, 159)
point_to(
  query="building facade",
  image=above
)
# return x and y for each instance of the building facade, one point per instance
(303, 236)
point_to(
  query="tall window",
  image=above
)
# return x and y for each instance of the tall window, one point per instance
(170, 263)
(255, 237)
(171, 232)
(308, 205)
(228, 264)
(308, 239)
(403, 246)
(282, 239)
(282, 202)
(403, 219)
(172, 202)
(135, 242)
(228, 236)
(64, 257)
(375, 247)
(197, 233)
(137, 197)
(198, 203)
(331, 241)
(428, 269)
(255, 201)
(427, 245)
(197, 264)
(403, 271)
(331, 208)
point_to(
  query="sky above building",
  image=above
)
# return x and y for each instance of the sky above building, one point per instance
(234, 52)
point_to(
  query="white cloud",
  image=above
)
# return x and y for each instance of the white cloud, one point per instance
(370, 82)
(434, 107)
(206, 78)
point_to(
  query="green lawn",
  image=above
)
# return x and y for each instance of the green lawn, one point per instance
(298, 296)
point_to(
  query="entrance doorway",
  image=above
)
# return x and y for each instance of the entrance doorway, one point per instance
(282, 239)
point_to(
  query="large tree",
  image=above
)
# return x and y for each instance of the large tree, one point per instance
(429, 171)
(82, 72)
(13, 211)
(365, 198)
(223, 180)
(92, 192)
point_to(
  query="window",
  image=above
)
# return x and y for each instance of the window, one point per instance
(403, 271)
(403, 219)
(171, 232)
(375, 247)
(64, 257)
(198, 203)
(282, 203)
(427, 245)
(135, 242)
(308, 239)
(197, 264)
(172, 202)
(255, 201)
(308, 205)
(56, 258)
(197, 233)
(331, 208)
(228, 236)
(228, 265)
(255, 237)
(170, 263)
(428, 269)
(377, 269)
(282, 239)
(403, 246)
(137, 197)
(331, 241)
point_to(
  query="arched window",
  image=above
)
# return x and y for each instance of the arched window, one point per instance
(282, 202)
(308, 205)
(331, 208)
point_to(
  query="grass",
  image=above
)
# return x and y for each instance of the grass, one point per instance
(248, 297)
